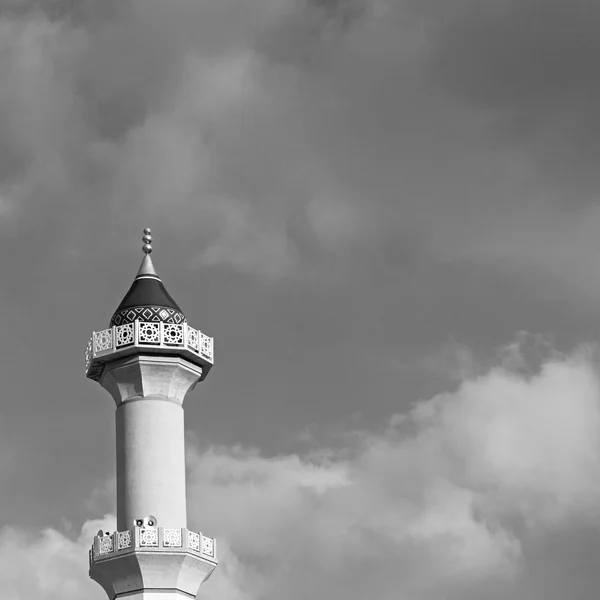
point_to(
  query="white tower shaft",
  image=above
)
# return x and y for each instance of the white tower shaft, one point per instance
(149, 393)
(150, 462)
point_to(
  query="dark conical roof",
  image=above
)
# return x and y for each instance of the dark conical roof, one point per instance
(147, 298)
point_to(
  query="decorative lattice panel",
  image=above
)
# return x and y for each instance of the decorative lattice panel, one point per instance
(88, 355)
(172, 538)
(208, 546)
(192, 337)
(124, 335)
(106, 544)
(194, 541)
(206, 346)
(173, 334)
(149, 333)
(149, 537)
(124, 540)
(103, 340)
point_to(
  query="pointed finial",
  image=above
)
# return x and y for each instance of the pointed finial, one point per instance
(147, 239)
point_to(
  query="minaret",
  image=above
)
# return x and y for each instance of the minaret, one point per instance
(148, 360)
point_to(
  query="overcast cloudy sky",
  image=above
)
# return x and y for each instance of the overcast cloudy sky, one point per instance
(386, 212)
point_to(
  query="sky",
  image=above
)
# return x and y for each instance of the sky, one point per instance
(385, 212)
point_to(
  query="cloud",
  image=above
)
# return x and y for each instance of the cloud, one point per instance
(268, 137)
(456, 495)
(93, 108)
(47, 563)
(273, 136)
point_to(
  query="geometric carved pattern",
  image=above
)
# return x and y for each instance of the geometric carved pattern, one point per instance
(173, 334)
(149, 333)
(124, 540)
(124, 335)
(103, 340)
(206, 345)
(106, 544)
(208, 546)
(153, 314)
(149, 537)
(172, 538)
(194, 541)
(192, 336)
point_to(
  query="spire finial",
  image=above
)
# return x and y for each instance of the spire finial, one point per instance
(147, 239)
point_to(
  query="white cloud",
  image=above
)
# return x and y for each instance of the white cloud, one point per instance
(48, 564)
(444, 487)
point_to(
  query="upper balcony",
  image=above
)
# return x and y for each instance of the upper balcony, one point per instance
(141, 337)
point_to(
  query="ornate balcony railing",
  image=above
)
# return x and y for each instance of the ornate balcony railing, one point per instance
(152, 539)
(141, 335)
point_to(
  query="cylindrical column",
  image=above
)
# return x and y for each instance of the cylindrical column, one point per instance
(150, 462)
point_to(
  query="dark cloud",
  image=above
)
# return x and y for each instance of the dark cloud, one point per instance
(285, 123)
(531, 66)
(522, 56)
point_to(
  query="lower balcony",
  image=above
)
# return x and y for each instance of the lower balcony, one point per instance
(152, 559)
(152, 539)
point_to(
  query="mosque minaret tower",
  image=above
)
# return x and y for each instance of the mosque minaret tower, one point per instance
(148, 360)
